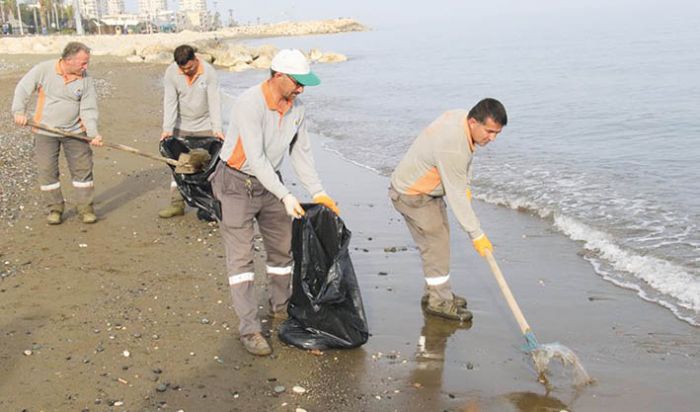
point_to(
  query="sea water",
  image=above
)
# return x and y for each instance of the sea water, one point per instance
(603, 132)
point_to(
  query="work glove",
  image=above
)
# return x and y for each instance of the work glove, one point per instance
(481, 244)
(323, 199)
(292, 206)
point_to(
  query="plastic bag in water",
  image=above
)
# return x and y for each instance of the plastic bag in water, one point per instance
(325, 310)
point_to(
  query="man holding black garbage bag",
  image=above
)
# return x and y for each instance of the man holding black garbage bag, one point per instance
(191, 111)
(267, 121)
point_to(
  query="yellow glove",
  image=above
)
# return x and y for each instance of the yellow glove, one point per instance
(481, 244)
(469, 194)
(325, 200)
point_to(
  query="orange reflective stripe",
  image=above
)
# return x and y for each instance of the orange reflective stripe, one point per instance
(426, 184)
(238, 156)
(39, 105)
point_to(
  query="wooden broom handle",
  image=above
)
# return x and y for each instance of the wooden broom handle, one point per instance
(524, 327)
(107, 144)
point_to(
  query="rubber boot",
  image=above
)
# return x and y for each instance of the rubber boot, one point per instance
(87, 214)
(176, 208)
(55, 216)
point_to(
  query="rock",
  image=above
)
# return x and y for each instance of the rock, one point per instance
(267, 50)
(262, 62)
(280, 389)
(206, 57)
(162, 387)
(156, 49)
(330, 57)
(239, 67)
(236, 54)
(299, 389)
(315, 54)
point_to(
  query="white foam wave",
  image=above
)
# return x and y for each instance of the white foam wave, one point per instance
(663, 276)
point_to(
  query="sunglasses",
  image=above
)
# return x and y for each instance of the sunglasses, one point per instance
(296, 83)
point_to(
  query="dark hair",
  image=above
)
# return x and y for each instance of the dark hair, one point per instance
(489, 108)
(73, 48)
(183, 54)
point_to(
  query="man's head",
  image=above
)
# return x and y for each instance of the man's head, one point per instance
(186, 60)
(75, 57)
(290, 72)
(486, 120)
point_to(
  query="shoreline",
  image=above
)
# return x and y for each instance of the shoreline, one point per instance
(146, 285)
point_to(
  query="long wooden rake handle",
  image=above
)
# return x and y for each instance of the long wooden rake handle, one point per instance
(510, 299)
(107, 144)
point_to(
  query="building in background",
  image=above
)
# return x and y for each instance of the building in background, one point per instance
(115, 7)
(92, 9)
(192, 5)
(193, 15)
(152, 7)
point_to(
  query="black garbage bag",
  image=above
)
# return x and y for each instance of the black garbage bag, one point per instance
(325, 310)
(195, 187)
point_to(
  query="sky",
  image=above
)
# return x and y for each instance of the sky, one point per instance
(381, 12)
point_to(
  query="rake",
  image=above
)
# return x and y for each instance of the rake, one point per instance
(541, 354)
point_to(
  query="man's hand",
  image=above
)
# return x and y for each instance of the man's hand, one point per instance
(219, 135)
(165, 135)
(482, 244)
(20, 119)
(325, 200)
(292, 206)
(96, 141)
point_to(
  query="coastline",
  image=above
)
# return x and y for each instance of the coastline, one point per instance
(146, 285)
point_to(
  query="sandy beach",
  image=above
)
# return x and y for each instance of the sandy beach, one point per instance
(133, 313)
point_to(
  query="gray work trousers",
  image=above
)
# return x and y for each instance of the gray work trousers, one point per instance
(426, 218)
(79, 158)
(244, 200)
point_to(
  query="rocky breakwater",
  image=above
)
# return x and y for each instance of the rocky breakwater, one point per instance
(157, 48)
(233, 56)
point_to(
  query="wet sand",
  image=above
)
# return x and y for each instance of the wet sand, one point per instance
(77, 297)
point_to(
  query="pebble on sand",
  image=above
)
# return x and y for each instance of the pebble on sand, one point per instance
(299, 389)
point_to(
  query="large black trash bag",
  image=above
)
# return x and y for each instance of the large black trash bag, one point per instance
(195, 187)
(325, 310)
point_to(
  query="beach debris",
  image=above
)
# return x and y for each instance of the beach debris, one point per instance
(192, 161)
(27, 352)
(394, 249)
(126, 353)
